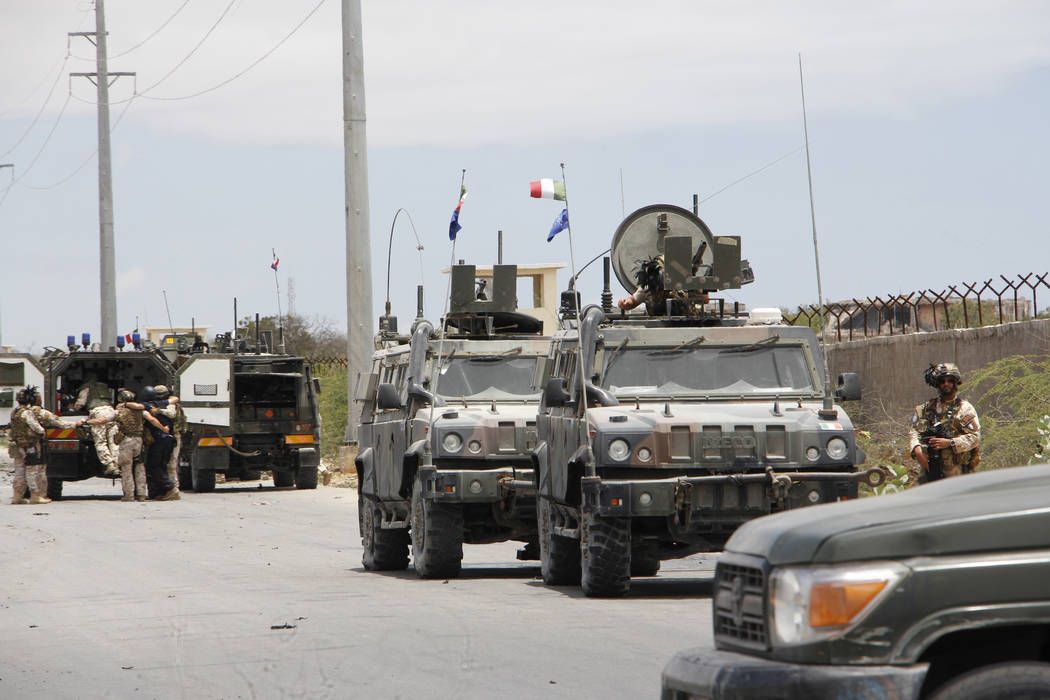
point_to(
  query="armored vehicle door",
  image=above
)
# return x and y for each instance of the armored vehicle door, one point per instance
(16, 371)
(204, 387)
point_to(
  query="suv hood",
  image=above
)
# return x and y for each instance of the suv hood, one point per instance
(1002, 509)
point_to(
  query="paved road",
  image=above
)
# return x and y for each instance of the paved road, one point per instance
(103, 599)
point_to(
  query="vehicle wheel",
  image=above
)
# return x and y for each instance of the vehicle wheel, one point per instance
(605, 555)
(251, 475)
(54, 489)
(1006, 681)
(204, 481)
(437, 536)
(282, 479)
(559, 556)
(306, 478)
(644, 563)
(185, 477)
(384, 550)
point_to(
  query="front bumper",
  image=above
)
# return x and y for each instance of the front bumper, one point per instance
(696, 674)
(730, 495)
(478, 485)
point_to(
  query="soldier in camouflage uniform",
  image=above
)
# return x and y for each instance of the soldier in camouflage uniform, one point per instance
(96, 397)
(27, 429)
(959, 448)
(129, 447)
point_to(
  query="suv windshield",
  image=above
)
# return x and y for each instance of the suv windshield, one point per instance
(752, 369)
(490, 377)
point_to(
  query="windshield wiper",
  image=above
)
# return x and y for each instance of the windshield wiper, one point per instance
(768, 342)
(497, 356)
(679, 348)
(615, 355)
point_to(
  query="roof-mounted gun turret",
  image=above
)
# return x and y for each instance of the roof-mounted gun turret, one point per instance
(672, 261)
(478, 311)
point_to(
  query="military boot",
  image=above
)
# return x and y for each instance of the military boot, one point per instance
(17, 501)
(37, 499)
(172, 495)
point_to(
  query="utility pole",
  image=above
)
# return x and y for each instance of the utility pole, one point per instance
(107, 253)
(359, 328)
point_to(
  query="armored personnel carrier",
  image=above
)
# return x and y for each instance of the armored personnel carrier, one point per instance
(447, 427)
(70, 453)
(659, 433)
(248, 410)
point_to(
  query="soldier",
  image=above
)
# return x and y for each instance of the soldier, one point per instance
(945, 434)
(168, 405)
(159, 426)
(96, 397)
(129, 447)
(27, 429)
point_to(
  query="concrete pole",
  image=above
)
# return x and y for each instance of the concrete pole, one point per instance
(107, 254)
(359, 326)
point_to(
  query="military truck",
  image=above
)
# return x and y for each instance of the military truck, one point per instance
(660, 433)
(245, 412)
(70, 453)
(941, 592)
(447, 426)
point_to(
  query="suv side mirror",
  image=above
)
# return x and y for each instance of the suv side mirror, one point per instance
(422, 395)
(555, 394)
(849, 387)
(317, 385)
(388, 397)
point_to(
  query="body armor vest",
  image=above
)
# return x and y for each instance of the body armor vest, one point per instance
(130, 421)
(929, 415)
(20, 432)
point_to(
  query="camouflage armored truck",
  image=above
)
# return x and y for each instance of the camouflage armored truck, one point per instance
(70, 453)
(473, 395)
(246, 412)
(660, 433)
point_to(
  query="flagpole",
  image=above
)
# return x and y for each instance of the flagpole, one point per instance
(435, 373)
(277, 286)
(582, 399)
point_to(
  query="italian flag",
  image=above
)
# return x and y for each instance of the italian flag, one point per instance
(547, 189)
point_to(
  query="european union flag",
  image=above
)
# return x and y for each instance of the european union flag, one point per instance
(560, 224)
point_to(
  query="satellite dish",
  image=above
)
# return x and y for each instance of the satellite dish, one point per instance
(639, 238)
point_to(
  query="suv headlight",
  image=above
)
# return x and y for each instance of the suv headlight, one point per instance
(452, 442)
(814, 603)
(837, 448)
(619, 449)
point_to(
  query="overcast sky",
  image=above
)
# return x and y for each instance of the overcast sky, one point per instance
(928, 126)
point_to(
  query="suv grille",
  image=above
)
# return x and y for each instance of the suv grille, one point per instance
(739, 605)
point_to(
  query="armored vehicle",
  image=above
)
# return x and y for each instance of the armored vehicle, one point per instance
(246, 412)
(70, 453)
(17, 370)
(660, 433)
(447, 427)
(940, 592)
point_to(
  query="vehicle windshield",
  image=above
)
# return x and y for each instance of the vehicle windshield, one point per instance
(749, 369)
(488, 378)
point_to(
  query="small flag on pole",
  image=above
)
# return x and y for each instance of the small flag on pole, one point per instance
(547, 188)
(453, 225)
(127, 338)
(275, 263)
(560, 224)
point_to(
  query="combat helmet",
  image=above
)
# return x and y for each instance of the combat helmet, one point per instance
(935, 373)
(161, 391)
(147, 394)
(125, 395)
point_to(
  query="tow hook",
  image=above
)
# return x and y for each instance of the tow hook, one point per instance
(781, 484)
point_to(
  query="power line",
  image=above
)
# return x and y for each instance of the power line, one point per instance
(154, 33)
(752, 174)
(47, 99)
(194, 49)
(259, 60)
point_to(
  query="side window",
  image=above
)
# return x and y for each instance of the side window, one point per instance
(399, 376)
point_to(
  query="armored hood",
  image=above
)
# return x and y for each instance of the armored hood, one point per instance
(988, 511)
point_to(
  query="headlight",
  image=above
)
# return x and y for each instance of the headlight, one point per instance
(810, 604)
(474, 446)
(812, 454)
(837, 448)
(644, 454)
(452, 442)
(619, 449)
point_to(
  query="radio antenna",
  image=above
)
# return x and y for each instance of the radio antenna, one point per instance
(171, 327)
(816, 249)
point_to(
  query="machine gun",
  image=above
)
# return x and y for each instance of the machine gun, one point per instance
(935, 470)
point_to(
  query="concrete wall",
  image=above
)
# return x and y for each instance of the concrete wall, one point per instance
(891, 368)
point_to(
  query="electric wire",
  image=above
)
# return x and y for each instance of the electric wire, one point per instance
(154, 33)
(40, 112)
(194, 49)
(752, 174)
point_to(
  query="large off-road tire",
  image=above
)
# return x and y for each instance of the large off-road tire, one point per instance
(1006, 681)
(306, 478)
(559, 556)
(204, 480)
(644, 563)
(54, 489)
(605, 555)
(185, 477)
(282, 479)
(384, 550)
(437, 536)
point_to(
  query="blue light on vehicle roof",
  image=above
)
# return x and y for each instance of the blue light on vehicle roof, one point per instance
(85, 339)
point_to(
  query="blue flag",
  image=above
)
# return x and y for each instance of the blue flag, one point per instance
(560, 224)
(453, 225)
